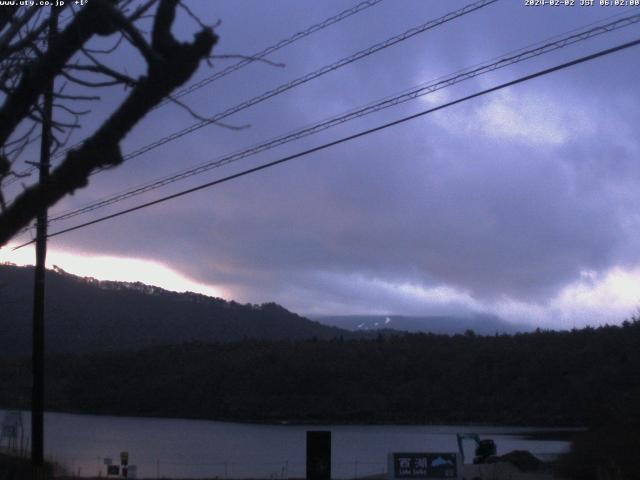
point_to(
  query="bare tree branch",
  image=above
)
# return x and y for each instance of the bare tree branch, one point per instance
(170, 64)
(248, 57)
(8, 49)
(106, 50)
(99, 67)
(88, 83)
(141, 10)
(6, 15)
(16, 26)
(197, 116)
(37, 75)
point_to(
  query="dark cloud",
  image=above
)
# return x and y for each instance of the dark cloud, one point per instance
(510, 197)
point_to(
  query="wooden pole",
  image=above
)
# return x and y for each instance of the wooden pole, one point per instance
(37, 399)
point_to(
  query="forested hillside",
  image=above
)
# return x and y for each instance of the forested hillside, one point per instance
(540, 378)
(85, 315)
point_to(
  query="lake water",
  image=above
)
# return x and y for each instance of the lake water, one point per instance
(198, 448)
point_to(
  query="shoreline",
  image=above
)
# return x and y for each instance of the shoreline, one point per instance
(534, 429)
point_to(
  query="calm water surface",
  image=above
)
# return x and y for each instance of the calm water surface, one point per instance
(198, 448)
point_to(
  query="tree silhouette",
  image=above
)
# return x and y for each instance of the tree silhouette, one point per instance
(28, 63)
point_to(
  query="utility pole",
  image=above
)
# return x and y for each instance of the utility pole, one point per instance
(37, 399)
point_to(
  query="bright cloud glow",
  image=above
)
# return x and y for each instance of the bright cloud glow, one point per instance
(438, 295)
(593, 299)
(530, 119)
(113, 268)
(614, 295)
(435, 98)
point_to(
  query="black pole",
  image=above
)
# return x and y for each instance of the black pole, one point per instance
(318, 455)
(37, 399)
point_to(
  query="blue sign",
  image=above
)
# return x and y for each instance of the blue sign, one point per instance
(424, 465)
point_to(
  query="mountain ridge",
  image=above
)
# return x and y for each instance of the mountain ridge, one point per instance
(481, 324)
(85, 314)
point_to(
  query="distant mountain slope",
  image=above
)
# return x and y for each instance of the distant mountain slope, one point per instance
(85, 314)
(448, 325)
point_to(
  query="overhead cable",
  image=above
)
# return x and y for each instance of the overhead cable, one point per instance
(245, 61)
(406, 96)
(405, 119)
(273, 48)
(307, 78)
(412, 32)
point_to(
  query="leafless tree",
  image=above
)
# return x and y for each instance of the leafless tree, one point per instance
(28, 62)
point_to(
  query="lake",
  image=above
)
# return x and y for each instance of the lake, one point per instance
(162, 447)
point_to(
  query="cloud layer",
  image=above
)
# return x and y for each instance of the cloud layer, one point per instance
(522, 203)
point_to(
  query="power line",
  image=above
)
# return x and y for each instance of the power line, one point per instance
(273, 48)
(245, 61)
(308, 77)
(514, 57)
(519, 80)
(472, 7)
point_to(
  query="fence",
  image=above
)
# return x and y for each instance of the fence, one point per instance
(220, 469)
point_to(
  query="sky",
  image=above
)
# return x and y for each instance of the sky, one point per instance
(522, 203)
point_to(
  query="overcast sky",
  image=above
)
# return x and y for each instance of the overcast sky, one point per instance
(523, 203)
